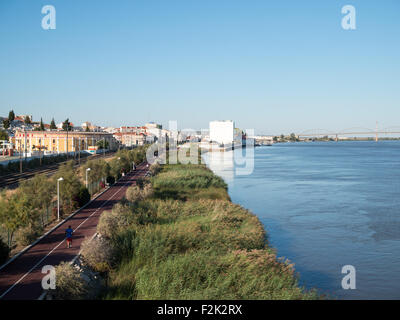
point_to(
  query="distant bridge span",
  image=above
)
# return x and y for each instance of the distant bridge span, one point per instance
(345, 132)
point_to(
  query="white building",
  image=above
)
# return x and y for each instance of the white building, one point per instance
(224, 132)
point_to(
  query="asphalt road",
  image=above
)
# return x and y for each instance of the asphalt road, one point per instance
(21, 279)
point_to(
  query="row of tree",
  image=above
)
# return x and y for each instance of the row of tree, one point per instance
(27, 120)
(26, 211)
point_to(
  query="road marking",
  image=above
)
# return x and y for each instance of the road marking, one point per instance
(41, 260)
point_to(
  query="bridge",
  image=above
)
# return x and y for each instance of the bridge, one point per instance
(313, 133)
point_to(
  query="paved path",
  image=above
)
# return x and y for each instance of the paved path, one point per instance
(21, 279)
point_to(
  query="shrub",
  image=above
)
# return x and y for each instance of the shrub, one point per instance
(4, 251)
(98, 254)
(69, 283)
(110, 180)
(155, 168)
(147, 191)
(107, 224)
(134, 194)
(83, 196)
(111, 222)
(26, 235)
(139, 192)
(140, 182)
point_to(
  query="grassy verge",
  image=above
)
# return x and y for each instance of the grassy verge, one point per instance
(186, 240)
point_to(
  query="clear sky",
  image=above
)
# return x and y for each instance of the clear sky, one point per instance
(275, 66)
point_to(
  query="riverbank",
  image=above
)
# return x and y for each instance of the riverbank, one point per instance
(180, 237)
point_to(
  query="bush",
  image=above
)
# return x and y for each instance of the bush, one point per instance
(69, 283)
(110, 180)
(134, 194)
(187, 177)
(4, 251)
(111, 222)
(83, 196)
(137, 193)
(107, 224)
(155, 168)
(98, 254)
(147, 191)
(140, 182)
(25, 236)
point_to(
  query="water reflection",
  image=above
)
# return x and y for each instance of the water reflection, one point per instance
(222, 164)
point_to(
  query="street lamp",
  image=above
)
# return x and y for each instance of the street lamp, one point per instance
(58, 197)
(104, 147)
(87, 170)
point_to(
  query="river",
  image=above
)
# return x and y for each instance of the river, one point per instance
(326, 205)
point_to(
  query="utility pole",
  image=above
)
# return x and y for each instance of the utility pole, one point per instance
(25, 143)
(67, 137)
(20, 156)
(40, 151)
(79, 155)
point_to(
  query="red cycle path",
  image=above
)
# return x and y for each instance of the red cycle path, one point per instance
(21, 279)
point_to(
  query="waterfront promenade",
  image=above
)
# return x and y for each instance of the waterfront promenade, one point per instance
(21, 279)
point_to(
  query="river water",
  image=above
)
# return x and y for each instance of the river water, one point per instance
(326, 205)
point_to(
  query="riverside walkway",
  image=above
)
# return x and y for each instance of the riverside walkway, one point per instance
(21, 279)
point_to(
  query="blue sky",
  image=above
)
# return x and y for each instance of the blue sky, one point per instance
(275, 66)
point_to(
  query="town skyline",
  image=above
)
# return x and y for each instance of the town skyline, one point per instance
(278, 67)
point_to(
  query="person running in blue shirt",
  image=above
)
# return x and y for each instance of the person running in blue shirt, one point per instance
(68, 234)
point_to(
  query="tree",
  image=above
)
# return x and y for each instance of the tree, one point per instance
(40, 192)
(87, 129)
(41, 125)
(99, 170)
(3, 135)
(16, 212)
(27, 120)
(102, 144)
(66, 125)
(6, 123)
(115, 168)
(4, 251)
(11, 115)
(293, 137)
(69, 187)
(53, 124)
(83, 196)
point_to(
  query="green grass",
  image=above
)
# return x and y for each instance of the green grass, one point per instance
(188, 241)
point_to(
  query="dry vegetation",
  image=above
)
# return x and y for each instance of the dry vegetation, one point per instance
(186, 240)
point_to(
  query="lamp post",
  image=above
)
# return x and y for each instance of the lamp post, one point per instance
(87, 170)
(58, 197)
